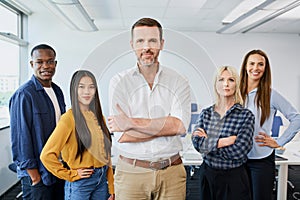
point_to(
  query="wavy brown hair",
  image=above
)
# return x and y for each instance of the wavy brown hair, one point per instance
(263, 95)
(83, 134)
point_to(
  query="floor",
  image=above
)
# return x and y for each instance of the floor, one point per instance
(293, 188)
(193, 184)
(12, 193)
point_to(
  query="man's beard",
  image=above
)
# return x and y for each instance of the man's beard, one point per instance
(147, 63)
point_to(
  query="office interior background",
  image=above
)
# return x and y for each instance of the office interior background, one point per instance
(200, 35)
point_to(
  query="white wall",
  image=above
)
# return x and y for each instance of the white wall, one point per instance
(75, 49)
(8, 178)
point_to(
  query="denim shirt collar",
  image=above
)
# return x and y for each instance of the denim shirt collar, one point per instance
(38, 85)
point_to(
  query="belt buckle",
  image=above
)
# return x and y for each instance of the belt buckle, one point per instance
(158, 165)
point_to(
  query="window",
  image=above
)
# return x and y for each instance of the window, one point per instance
(11, 45)
(9, 78)
(8, 20)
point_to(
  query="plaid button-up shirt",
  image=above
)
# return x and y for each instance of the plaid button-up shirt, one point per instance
(237, 121)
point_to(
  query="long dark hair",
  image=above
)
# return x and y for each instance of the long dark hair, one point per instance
(83, 134)
(263, 95)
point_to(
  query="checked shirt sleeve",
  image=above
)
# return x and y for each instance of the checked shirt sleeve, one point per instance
(243, 142)
(196, 140)
(202, 144)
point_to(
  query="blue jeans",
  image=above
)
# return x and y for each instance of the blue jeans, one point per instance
(94, 187)
(41, 191)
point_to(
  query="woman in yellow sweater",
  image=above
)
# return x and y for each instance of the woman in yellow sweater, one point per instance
(83, 141)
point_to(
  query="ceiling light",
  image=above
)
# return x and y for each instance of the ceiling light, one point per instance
(243, 8)
(18, 5)
(252, 13)
(73, 14)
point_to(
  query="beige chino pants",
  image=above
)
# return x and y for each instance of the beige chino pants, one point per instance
(133, 182)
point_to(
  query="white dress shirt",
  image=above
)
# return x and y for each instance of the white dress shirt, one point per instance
(169, 96)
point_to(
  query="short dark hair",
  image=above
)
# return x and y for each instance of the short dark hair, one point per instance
(148, 22)
(42, 46)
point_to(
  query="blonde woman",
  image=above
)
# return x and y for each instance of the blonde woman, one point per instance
(223, 135)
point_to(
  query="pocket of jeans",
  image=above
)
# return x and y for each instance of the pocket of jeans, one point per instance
(37, 184)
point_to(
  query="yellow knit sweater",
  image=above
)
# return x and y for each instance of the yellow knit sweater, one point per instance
(63, 140)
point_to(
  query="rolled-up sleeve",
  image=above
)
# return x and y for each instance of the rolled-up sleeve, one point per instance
(21, 135)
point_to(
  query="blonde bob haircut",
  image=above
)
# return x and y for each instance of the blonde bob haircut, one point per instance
(235, 75)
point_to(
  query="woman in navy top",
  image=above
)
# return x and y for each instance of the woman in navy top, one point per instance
(255, 86)
(223, 135)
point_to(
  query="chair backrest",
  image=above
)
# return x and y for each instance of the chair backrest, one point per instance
(277, 122)
(194, 116)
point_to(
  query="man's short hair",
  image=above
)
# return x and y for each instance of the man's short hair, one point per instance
(42, 46)
(148, 22)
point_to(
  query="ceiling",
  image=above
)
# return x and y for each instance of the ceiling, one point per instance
(189, 15)
(180, 15)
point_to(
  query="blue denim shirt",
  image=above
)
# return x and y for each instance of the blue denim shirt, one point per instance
(32, 120)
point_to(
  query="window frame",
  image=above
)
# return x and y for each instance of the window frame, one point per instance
(20, 39)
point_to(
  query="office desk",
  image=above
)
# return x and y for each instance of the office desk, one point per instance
(292, 154)
(191, 157)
